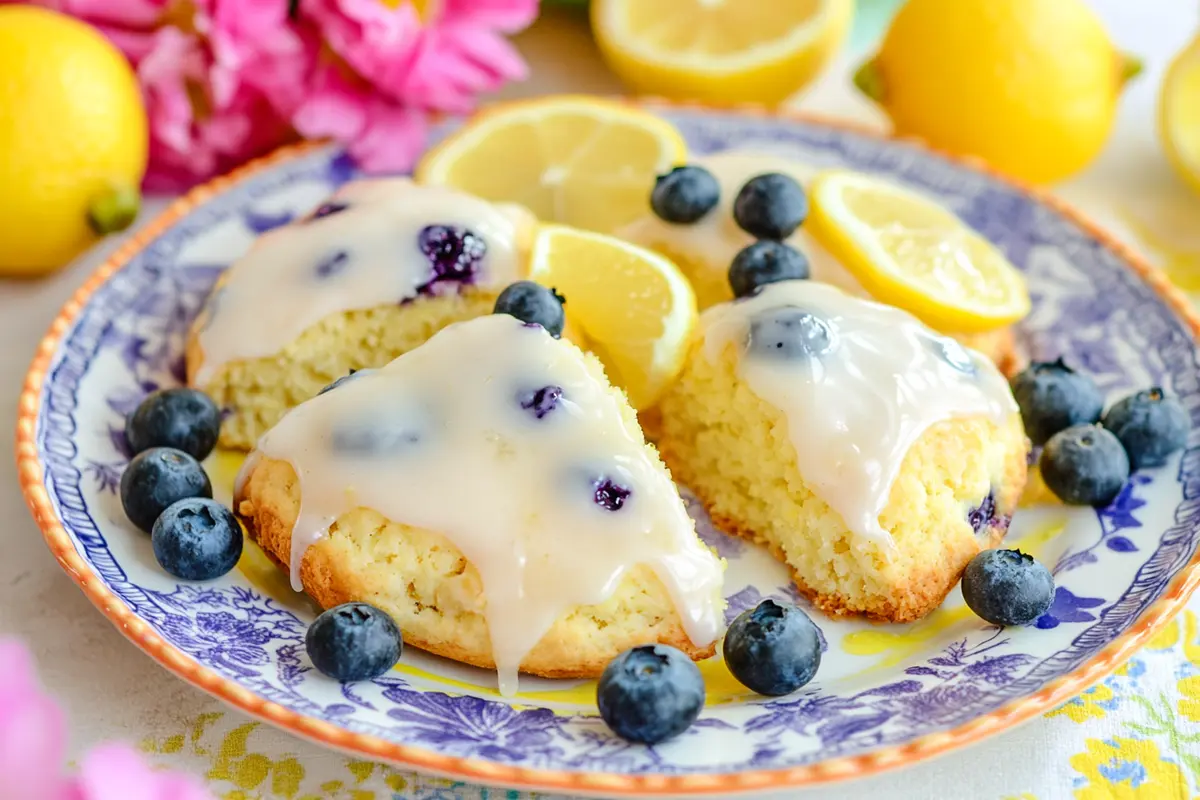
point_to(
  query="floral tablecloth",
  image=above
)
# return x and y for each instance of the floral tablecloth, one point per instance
(1135, 735)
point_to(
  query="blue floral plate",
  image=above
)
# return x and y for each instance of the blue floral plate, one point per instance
(887, 695)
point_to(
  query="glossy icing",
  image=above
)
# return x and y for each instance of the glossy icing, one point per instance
(366, 246)
(716, 238)
(858, 383)
(497, 435)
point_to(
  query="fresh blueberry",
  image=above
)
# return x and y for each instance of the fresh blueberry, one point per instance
(1150, 425)
(332, 264)
(533, 303)
(1085, 465)
(454, 252)
(541, 401)
(158, 478)
(182, 418)
(790, 333)
(197, 539)
(1053, 397)
(609, 495)
(773, 649)
(685, 194)
(326, 209)
(765, 262)
(353, 642)
(770, 206)
(649, 694)
(1007, 587)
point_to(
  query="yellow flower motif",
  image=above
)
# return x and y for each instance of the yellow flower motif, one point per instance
(1189, 700)
(1127, 769)
(1085, 706)
(1165, 639)
(1191, 645)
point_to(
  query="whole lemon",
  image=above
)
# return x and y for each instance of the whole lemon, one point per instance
(1179, 113)
(73, 139)
(1030, 86)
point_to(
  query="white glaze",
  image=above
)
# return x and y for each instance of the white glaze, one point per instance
(511, 491)
(854, 412)
(716, 238)
(272, 294)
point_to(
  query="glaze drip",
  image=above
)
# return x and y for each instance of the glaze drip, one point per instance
(858, 382)
(552, 512)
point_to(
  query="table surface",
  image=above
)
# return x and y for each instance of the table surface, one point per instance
(1128, 737)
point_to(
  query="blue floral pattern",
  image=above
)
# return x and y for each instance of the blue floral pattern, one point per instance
(1088, 307)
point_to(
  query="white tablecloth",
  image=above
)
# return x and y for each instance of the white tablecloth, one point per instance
(1127, 738)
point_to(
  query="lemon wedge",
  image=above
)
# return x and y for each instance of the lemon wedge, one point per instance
(635, 308)
(1179, 113)
(723, 51)
(909, 251)
(581, 161)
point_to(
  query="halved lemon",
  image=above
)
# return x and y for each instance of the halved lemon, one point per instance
(1179, 113)
(910, 252)
(635, 307)
(723, 51)
(582, 161)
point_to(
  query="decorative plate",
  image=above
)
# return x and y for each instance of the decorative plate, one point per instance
(885, 696)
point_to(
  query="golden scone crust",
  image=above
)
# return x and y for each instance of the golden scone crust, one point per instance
(435, 595)
(734, 451)
(255, 394)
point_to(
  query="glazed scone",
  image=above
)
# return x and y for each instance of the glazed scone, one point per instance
(872, 455)
(493, 493)
(704, 250)
(372, 273)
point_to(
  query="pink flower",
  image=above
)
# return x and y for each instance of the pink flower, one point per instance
(441, 62)
(227, 80)
(33, 744)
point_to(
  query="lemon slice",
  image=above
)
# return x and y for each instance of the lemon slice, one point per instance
(635, 308)
(724, 51)
(577, 160)
(909, 251)
(1179, 113)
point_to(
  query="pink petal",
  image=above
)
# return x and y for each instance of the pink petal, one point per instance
(32, 731)
(392, 140)
(508, 16)
(117, 772)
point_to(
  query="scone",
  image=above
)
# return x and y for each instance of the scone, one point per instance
(704, 249)
(872, 455)
(493, 493)
(375, 271)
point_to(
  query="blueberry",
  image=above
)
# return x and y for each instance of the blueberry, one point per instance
(790, 333)
(353, 642)
(1007, 587)
(533, 303)
(685, 194)
(326, 209)
(454, 252)
(609, 495)
(765, 262)
(773, 649)
(182, 418)
(541, 401)
(983, 517)
(770, 206)
(157, 478)
(1053, 397)
(1085, 465)
(1150, 425)
(332, 264)
(649, 694)
(197, 539)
